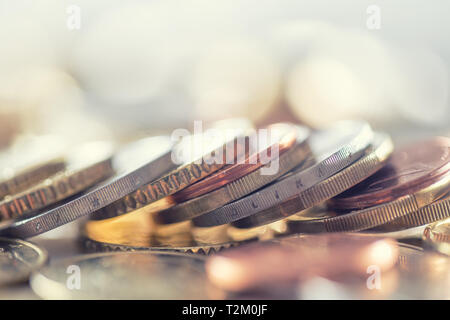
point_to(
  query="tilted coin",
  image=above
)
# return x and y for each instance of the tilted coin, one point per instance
(297, 155)
(124, 275)
(372, 161)
(282, 136)
(28, 161)
(286, 261)
(135, 165)
(180, 178)
(411, 168)
(437, 236)
(18, 259)
(333, 149)
(88, 164)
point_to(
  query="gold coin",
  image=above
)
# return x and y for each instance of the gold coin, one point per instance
(87, 165)
(437, 236)
(374, 159)
(297, 155)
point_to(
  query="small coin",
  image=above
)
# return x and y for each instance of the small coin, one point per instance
(18, 259)
(125, 275)
(437, 236)
(87, 165)
(411, 168)
(333, 149)
(135, 165)
(28, 161)
(374, 216)
(297, 155)
(282, 137)
(193, 170)
(372, 161)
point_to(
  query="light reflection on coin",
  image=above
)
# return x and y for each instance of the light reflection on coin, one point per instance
(126, 275)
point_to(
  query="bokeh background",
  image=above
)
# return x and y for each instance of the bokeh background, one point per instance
(94, 69)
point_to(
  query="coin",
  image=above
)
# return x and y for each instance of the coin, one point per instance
(334, 149)
(88, 164)
(282, 137)
(372, 161)
(411, 168)
(18, 259)
(437, 236)
(135, 165)
(284, 261)
(29, 160)
(297, 155)
(373, 216)
(178, 179)
(124, 275)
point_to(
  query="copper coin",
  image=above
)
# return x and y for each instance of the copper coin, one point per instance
(282, 137)
(409, 170)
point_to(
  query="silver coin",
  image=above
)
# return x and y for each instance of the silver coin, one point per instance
(135, 165)
(18, 259)
(333, 148)
(124, 275)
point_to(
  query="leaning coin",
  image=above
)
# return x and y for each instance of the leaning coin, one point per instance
(193, 170)
(87, 165)
(18, 259)
(136, 164)
(333, 148)
(374, 159)
(297, 155)
(28, 161)
(125, 275)
(374, 216)
(411, 168)
(437, 236)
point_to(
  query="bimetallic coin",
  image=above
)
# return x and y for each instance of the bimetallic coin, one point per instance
(135, 165)
(374, 159)
(333, 149)
(297, 155)
(180, 178)
(30, 160)
(437, 236)
(125, 275)
(410, 169)
(87, 165)
(281, 137)
(18, 259)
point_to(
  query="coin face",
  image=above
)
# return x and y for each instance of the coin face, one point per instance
(437, 236)
(18, 259)
(135, 164)
(120, 275)
(410, 169)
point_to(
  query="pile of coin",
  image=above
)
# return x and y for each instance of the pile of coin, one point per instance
(283, 207)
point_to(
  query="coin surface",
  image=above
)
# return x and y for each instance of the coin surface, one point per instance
(124, 275)
(193, 170)
(333, 149)
(437, 236)
(87, 165)
(298, 154)
(18, 259)
(282, 137)
(30, 160)
(135, 165)
(372, 161)
(410, 169)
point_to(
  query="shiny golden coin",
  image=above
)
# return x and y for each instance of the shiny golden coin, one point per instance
(28, 161)
(87, 165)
(371, 162)
(437, 236)
(297, 155)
